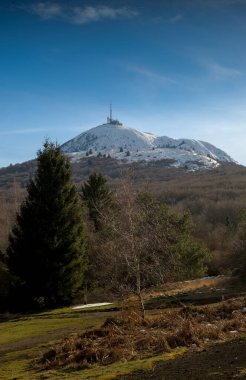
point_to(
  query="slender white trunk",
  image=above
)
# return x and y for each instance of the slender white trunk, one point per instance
(139, 293)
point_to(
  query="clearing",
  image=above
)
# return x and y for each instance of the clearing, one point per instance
(28, 337)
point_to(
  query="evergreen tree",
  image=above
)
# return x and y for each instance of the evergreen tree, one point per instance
(239, 248)
(46, 252)
(97, 196)
(4, 283)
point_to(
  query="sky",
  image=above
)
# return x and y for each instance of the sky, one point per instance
(175, 68)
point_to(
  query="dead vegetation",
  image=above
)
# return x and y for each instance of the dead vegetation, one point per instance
(131, 337)
(173, 288)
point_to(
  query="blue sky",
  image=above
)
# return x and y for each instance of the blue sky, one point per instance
(175, 68)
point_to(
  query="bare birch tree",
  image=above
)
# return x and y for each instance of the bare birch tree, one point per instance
(143, 243)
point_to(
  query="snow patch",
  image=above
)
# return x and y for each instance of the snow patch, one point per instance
(87, 306)
(130, 145)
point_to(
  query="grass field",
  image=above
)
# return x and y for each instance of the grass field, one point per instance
(25, 338)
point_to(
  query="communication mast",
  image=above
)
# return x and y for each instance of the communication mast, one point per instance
(110, 119)
(110, 112)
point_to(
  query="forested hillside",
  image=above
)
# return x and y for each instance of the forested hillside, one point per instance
(128, 234)
(215, 198)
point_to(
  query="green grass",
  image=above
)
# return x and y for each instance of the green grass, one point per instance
(39, 331)
(18, 366)
(13, 331)
(24, 338)
(15, 365)
(124, 368)
(69, 311)
(29, 326)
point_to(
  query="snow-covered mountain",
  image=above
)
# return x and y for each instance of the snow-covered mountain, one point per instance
(131, 145)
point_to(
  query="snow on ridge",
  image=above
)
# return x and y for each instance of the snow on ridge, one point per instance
(107, 137)
(131, 145)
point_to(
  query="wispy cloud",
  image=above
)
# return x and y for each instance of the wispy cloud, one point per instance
(212, 3)
(220, 71)
(46, 10)
(175, 19)
(151, 75)
(220, 3)
(23, 131)
(79, 15)
(92, 14)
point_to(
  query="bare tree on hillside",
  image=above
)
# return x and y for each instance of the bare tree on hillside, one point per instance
(144, 243)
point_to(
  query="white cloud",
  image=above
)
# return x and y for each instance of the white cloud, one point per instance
(92, 14)
(22, 131)
(222, 3)
(219, 71)
(175, 19)
(79, 15)
(46, 10)
(151, 75)
(213, 3)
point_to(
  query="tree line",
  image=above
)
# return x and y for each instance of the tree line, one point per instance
(65, 242)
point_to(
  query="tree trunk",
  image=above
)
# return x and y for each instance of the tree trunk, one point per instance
(85, 294)
(139, 294)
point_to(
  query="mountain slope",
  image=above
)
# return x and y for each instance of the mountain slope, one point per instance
(109, 137)
(131, 145)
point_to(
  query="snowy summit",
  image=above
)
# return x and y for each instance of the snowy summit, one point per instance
(130, 145)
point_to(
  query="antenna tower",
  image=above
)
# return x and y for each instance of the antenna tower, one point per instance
(110, 112)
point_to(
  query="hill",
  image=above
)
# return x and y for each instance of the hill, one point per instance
(128, 145)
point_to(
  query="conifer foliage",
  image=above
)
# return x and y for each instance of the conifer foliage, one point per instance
(97, 196)
(46, 252)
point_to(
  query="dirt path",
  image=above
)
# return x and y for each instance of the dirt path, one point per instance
(222, 361)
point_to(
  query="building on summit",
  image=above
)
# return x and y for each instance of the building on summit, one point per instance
(110, 119)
